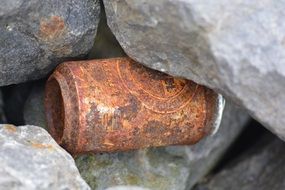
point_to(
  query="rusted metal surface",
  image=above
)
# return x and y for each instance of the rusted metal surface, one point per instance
(118, 104)
(51, 28)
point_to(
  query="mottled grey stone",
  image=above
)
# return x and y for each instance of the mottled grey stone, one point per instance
(166, 168)
(31, 159)
(235, 47)
(262, 168)
(37, 35)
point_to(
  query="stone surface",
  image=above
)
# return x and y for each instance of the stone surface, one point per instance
(37, 35)
(177, 167)
(31, 159)
(262, 168)
(235, 47)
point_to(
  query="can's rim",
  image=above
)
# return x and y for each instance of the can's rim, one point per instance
(218, 114)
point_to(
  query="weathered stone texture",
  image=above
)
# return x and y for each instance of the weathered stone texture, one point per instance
(31, 159)
(235, 47)
(262, 167)
(37, 35)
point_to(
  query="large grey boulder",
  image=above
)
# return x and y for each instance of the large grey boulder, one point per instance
(168, 168)
(262, 168)
(36, 35)
(236, 47)
(31, 159)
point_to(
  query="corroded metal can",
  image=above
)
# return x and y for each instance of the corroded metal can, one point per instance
(117, 105)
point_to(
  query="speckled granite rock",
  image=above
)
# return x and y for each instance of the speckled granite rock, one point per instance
(178, 167)
(37, 35)
(31, 159)
(236, 47)
(262, 168)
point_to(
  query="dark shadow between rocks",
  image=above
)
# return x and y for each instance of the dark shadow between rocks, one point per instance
(105, 44)
(251, 135)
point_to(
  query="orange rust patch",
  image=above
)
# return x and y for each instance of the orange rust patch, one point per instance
(10, 128)
(51, 28)
(39, 145)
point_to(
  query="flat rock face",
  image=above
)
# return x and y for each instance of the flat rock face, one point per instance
(261, 168)
(37, 35)
(166, 168)
(31, 159)
(236, 47)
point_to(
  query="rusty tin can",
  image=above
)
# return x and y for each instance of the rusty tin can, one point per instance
(117, 104)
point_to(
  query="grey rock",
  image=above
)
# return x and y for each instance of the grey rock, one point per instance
(37, 35)
(263, 168)
(31, 159)
(166, 168)
(235, 47)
